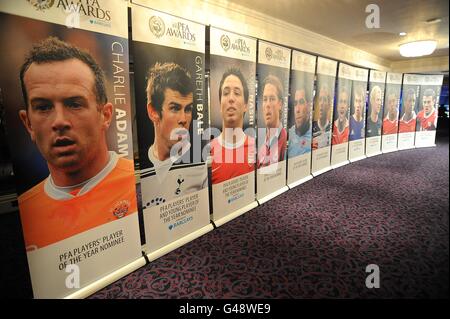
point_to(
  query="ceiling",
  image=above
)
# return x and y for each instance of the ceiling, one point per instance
(345, 21)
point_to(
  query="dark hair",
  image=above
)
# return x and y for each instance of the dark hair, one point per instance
(410, 93)
(429, 92)
(52, 50)
(166, 76)
(236, 72)
(360, 90)
(275, 81)
(392, 91)
(308, 93)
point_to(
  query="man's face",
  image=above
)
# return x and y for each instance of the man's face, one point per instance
(392, 106)
(324, 104)
(63, 116)
(232, 102)
(376, 101)
(409, 104)
(300, 108)
(176, 117)
(343, 105)
(358, 102)
(428, 104)
(271, 106)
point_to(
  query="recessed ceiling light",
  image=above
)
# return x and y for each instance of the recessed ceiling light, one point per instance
(402, 34)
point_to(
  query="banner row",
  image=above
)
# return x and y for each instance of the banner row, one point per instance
(211, 144)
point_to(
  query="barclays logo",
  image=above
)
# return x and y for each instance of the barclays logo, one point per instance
(181, 222)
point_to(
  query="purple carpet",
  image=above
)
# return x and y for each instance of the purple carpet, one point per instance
(316, 240)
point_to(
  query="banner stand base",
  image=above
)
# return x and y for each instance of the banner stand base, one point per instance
(321, 171)
(273, 195)
(374, 154)
(300, 181)
(180, 242)
(390, 151)
(107, 280)
(235, 214)
(423, 146)
(406, 148)
(358, 158)
(340, 164)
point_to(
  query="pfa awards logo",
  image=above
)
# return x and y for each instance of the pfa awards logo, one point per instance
(157, 26)
(41, 5)
(225, 42)
(268, 53)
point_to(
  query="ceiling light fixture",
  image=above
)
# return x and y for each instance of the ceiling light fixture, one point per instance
(417, 48)
(402, 34)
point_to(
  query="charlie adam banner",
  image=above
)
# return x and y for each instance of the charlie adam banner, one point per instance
(172, 118)
(233, 122)
(65, 88)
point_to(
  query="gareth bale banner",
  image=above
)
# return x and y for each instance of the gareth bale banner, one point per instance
(428, 105)
(322, 115)
(65, 88)
(300, 118)
(357, 145)
(233, 123)
(390, 113)
(341, 119)
(374, 121)
(171, 113)
(273, 85)
(408, 111)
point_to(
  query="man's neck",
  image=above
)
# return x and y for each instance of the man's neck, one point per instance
(302, 129)
(429, 113)
(323, 122)
(63, 178)
(160, 151)
(273, 131)
(374, 117)
(408, 116)
(342, 124)
(231, 136)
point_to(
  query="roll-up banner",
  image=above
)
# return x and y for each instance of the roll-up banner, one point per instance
(408, 111)
(374, 121)
(341, 118)
(233, 124)
(357, 143)
(322, 116)
(65, 87)
(171, 114)
(273, 84)
(426, 121)
(300, 118)
(389, 127)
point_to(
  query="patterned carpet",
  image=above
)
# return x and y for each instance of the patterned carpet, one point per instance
(313, 241)
(316, 240)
